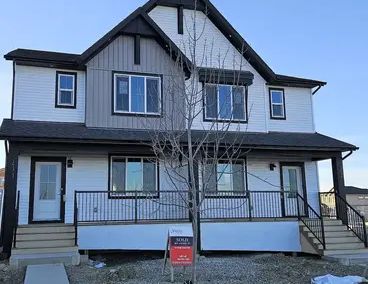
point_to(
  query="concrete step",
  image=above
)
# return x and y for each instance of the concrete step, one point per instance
(338, 234)
(342, 240)
(335, 228)
(45, 236)
(329, 222)
(49, 250)
(345, 251)
(42, 229)
(349, 259)
(343, 246)
(45, 243)
(68, 258)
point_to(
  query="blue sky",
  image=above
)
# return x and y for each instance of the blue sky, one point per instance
(326, 40)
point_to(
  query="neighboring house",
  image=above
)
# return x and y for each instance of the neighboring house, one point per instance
(76, 131)
(358, 198)
(2, 178)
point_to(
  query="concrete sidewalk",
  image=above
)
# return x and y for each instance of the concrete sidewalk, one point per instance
(45, 274)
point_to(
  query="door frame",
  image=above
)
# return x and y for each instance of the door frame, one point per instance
(304, 185)
(34, 160)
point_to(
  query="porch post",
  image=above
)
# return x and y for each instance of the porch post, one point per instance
(339, 186)
(10, 193)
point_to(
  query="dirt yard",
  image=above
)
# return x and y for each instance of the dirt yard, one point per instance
(245, 268)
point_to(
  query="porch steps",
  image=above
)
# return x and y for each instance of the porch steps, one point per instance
(44, 244)
(340, 241)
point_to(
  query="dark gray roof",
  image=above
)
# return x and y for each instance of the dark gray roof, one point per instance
(75, 132)
(355, 190)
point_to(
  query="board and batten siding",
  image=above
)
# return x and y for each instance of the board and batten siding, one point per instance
(34, 95)
(119, 56)
(215, 50)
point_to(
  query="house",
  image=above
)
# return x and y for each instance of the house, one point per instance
(2, 178)
(81, 173)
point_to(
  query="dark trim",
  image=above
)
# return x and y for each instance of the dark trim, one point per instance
(205, 119)
(225, 76)
(113, 112)
(304, 185)
(139, 156)
(181, 20)
(52, 65)
(137, 49)
(270, 103)
(13, 90)
(34, 160)
(57, 90)
(10, 196)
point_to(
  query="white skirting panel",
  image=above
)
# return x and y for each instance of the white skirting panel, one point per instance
(239, 236)
(124, 237)
(251, 236)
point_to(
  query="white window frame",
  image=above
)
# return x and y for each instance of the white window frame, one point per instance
(218, 118)
(282, 104)
(129, 76)
(126, 158)
(72, 104)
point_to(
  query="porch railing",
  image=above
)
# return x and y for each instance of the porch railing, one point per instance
(335, 206)
(135, 207)
(312, 220)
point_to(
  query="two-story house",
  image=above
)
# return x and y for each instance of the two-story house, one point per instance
(80, 131)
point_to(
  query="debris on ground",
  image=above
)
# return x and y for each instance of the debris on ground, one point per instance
(331, 279)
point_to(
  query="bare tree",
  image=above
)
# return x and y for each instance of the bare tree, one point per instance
(188, 149)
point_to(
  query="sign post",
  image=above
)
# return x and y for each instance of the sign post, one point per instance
(180, 245)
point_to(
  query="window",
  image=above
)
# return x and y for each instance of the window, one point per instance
(48, 180)
(225, 177)
(66, 83)
(277, 104)
(137, 94)
(130, 174)
(225, 102)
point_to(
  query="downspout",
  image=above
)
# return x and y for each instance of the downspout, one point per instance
(348, 155)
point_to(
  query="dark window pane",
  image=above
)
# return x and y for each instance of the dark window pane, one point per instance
(66, 82)
(238, 103)
(152, 95)
(293, 180)
(149, 175)
(211, 101)
(225, 102)
(277, 110)
(122, 93)
(137, 94)
(65, 97)
(276, 97)
(118, 175)
(238, 178)
(209, 177)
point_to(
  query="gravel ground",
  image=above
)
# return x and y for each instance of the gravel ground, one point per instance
(245, 268)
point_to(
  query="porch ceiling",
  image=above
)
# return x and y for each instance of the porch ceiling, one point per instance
(79, 133)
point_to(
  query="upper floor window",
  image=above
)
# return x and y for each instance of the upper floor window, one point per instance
(277, 104)
(225, 102)
(137, 94)
(66, 85)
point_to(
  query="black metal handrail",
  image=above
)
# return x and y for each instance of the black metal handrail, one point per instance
(351, 218)
(16, 221)
(312, 220)
(136, 206)
(75, 220)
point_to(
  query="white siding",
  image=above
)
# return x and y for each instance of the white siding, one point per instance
(215, 50)
(34, 96)
(23, 182)
(299, 112)
(91, 174)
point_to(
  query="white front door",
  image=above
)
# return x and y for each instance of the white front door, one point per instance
(47, 191)
(292, 177)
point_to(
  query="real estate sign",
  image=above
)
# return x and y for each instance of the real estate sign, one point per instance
(181, 246)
